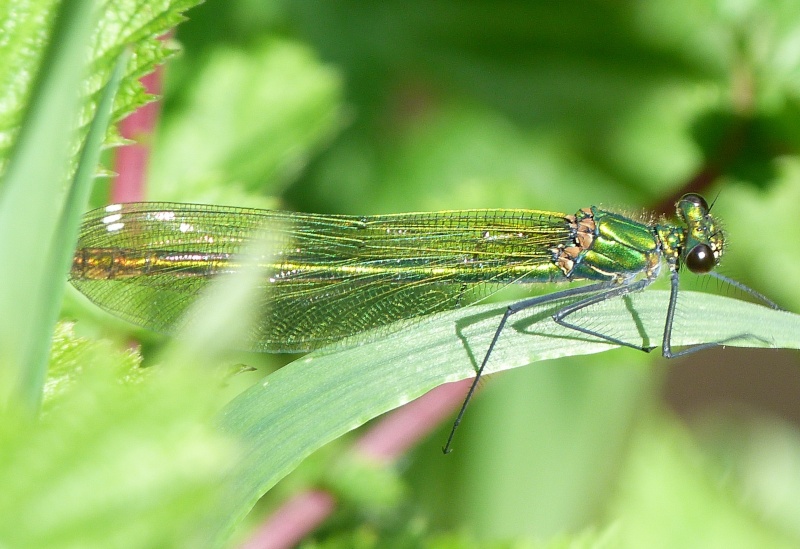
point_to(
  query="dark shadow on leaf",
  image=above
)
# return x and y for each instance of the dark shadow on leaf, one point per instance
(464, 323)
(637, 320)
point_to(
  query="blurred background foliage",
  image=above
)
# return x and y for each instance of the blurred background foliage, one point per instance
(349, 106)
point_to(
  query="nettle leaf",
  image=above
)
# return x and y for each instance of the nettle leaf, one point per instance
(120, 457)
(25, 26)
(269, 109)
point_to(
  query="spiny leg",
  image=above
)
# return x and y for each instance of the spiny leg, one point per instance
(604, 291)
(748, 290)
(666, 345)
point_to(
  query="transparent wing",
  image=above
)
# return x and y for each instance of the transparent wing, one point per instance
(329, 277)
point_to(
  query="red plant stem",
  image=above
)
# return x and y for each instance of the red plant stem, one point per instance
(401, 430)
(131, 161)
(290, 524)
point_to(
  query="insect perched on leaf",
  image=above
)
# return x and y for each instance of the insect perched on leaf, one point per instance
(333, 276)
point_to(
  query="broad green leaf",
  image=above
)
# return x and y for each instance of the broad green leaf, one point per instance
(253, 119)
(328, 393)
(533, 60)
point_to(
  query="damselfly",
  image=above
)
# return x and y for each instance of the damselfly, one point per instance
(333, 276)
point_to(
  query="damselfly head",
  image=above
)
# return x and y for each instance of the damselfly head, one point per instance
(704, 239)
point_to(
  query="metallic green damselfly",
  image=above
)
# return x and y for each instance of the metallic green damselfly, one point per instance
(333, 276)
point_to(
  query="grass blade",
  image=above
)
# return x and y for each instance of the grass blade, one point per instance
(321, 396)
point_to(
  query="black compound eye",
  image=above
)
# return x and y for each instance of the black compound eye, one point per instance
(696, 200)
(700, 259)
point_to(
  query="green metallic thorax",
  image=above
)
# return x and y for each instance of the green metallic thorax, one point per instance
(610, 246)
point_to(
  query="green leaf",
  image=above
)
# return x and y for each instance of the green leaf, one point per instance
(118, 25)
(30, 206)
(44, 82)
(68, 360)
(254, 119)
(121, 457)
(321, 396)
(44, 311)
(544, 61)
(748, 147)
